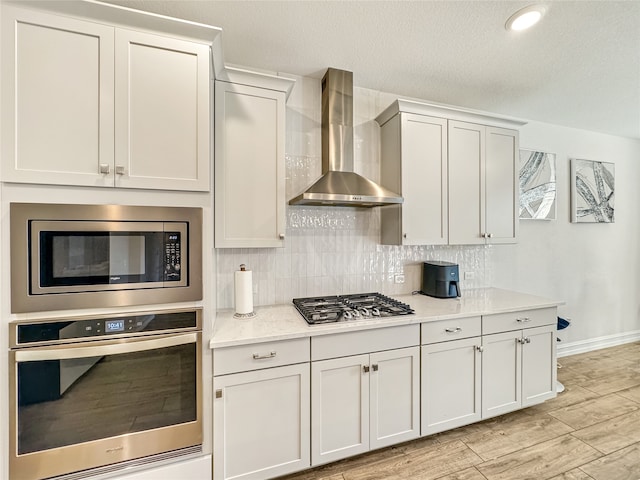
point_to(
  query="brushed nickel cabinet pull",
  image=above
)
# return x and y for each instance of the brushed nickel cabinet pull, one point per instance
(281, 236)
(523, 319)
(105, 168)
(453, 330)
(119, 169)
(480, 348)
(374, 367)
(271, 354)
(365, 369)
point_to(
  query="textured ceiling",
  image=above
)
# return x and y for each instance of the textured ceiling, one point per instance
(580, 67)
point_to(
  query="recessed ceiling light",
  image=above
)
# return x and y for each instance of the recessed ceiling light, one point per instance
(525, 18)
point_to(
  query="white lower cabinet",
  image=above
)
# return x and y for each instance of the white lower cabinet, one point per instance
(365, 401)
(518, 369)
(451, 377)
(480, 367)
(501, 373)
(261, 417)
(340, 413)
(282, 407)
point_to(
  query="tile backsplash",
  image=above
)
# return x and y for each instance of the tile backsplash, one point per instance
(336, 250)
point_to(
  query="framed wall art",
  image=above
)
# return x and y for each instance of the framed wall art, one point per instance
(537, 182)
(592, 191)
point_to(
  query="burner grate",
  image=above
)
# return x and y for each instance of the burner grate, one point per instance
(340, 308)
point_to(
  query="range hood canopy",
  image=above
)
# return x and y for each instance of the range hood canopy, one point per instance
(339, 185)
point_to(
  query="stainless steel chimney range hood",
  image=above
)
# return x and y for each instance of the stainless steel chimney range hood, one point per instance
(339, 185)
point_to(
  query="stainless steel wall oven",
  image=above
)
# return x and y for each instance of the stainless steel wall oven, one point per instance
(85, 256)
(96, 393)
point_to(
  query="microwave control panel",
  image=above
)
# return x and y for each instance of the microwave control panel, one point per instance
(172, 257)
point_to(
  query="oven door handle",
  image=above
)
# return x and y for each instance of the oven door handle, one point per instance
(67, 352)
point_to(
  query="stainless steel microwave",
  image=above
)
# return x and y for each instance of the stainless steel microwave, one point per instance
(83, 256)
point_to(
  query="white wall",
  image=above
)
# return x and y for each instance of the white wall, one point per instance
(594, 268)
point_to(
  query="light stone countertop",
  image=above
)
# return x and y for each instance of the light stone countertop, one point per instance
(283, 322)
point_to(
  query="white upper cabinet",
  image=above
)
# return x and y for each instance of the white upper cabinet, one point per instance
(414, 164)
(501, 185)
(57, 99)
(85, 103)
(162, 112)
(456, 170)
(483, 191)
(249, 164)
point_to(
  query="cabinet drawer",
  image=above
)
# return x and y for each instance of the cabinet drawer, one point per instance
(504, 322)
(243, 358)
(453, 329)
(364, 341)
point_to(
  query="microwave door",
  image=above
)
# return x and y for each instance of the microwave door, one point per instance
(70, 257)
(102, 256)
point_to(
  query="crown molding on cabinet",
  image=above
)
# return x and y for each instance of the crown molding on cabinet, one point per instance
(125, 17)
(448, 111)
(242, 76)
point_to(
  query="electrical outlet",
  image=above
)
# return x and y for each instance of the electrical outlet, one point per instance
(469, 275)
(399, 278)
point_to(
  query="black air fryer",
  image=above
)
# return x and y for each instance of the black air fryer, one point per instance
(440, 279)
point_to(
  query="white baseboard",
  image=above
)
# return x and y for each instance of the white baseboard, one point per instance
(583, 346)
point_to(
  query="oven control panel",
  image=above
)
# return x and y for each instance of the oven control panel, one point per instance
(28, 333)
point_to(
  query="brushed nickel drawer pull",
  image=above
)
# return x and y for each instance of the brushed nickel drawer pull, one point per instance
(453, 330)
(523, 319)
(271, 354)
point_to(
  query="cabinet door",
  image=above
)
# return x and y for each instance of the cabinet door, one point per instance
(57, 99)
(501, 185)
(249, 166)
(501, 373)
(394, 396)
(261, 423)
(466, 183)
(450, 384)
(424, 180)
(539, 372)
(162, 112)
(339, 408)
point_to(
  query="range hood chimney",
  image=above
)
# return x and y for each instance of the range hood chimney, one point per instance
(339, 186)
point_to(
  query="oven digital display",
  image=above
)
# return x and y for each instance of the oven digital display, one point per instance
(114, 326)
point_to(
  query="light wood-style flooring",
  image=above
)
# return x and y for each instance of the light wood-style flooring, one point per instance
(591, 431)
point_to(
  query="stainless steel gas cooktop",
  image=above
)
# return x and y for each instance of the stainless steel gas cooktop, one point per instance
(341, 308)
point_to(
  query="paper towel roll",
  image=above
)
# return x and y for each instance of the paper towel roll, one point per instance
(244, 291)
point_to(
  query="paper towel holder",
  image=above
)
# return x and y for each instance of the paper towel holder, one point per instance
(245, 314)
